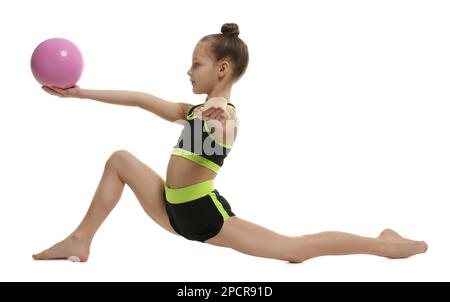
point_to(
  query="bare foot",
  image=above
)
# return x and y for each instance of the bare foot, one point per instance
(71, 248)
(401, 247)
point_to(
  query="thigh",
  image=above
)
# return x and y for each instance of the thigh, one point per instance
(253, 239)
(145, 183)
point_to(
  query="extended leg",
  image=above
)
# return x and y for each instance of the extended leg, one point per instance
(252, 239)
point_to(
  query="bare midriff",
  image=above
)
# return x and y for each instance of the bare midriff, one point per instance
(182, 172)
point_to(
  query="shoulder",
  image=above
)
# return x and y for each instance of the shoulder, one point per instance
(192, 108)
(190, 111)
(186, 107)
(232, 111)
(224, 132)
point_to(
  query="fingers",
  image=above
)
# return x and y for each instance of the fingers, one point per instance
(51, 91)
(210, 114)
(213, 112)
(216, 115)
(59, 90)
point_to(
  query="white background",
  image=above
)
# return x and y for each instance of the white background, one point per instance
(344, 115)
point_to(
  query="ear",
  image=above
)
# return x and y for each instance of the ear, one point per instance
(224, 68)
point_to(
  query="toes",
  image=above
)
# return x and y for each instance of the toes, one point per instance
(424, 246)
(40, 256)
(37, 256)
(45, 255)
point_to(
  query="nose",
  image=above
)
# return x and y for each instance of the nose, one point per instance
(189, 72)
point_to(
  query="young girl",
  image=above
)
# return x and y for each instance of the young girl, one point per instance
(187, 203)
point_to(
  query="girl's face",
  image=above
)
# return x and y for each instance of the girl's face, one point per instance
(204, 71)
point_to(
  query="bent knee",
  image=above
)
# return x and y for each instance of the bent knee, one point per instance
(117, 158)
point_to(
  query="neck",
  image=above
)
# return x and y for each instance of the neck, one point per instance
(224, 92)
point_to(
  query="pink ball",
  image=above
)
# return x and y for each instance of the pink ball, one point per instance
(57, 62)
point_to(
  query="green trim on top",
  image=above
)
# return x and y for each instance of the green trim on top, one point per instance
(204, 162)
(191, 115)
(232, 107)
(214, 139)
(219, 206)
(192, 192)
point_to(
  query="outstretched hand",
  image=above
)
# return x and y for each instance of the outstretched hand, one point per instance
(63, 93)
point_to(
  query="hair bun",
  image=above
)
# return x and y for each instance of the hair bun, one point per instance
(230, 29)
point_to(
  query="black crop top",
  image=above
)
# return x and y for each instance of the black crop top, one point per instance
(196, 143)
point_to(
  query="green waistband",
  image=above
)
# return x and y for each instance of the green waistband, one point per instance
(185, 194)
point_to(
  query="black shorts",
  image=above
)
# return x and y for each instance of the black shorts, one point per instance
(197, 212)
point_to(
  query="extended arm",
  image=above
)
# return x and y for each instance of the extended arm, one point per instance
(171, 111)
